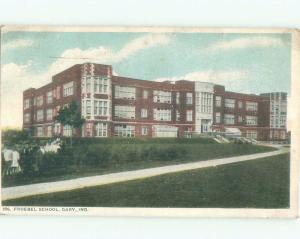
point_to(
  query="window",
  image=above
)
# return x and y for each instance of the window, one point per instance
(165, 131)
(177, 115)
(67, 131)
(40, 115)
(252, 134)
(49, 97)
(87, 87)
(125, 111)
(251, 106)
(88, 129)
(189, 115)
(88, 107)
(49, 131)
(240, 119)
(218, 117)
(145, 94)
(144, 113)
(282, 135)
(228, 119)
(124, 92)
(27, 103)
(218, 102)
(58, 92)
(124, 131)
(282, 121)
(101, 129)
(101, 85)
(162, 96)
(40, 100)
(229, 103)
(100, 108)
(27, 117)
(251, 120)
(39, 132)
(162, 114)
(177, 98)
(204, 102)
(68, 89)
(189, 98)
(57, 128)
(49, 114)
(145, 130)
(240, 104)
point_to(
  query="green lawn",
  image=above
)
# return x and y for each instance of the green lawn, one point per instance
(261, 183)
(87, 159)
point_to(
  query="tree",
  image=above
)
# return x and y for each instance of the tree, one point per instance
(70, 115)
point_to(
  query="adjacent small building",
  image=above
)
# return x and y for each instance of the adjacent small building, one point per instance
(126, 107)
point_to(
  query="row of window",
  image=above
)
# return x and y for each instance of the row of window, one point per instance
(39, 116)
(159, 96)
(230, 119)
(95, 84)
(68, 89)
(230, 103)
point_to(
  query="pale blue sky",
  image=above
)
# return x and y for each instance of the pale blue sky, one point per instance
(250, 63)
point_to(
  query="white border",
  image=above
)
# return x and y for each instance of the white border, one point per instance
(195, 212)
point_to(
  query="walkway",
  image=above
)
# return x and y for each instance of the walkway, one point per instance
(65, 185)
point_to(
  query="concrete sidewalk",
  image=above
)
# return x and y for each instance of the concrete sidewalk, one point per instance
(65, 185)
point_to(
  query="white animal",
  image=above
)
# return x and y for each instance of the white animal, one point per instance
(11, 157)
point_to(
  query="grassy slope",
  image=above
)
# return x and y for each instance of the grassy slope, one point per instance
(261, 183)
(196, 151)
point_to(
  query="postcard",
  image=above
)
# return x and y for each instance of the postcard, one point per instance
(150, 121)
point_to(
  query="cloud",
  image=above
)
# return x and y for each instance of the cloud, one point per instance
(245, 42)
(105, 55)
(19, 43)
(17, 77)
(217, 77)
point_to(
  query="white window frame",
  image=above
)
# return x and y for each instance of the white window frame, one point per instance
(125, 92)
(101, 85)
(101, 107)
(49, 97)
(230, 103)
(49, 114)
(144, 130)
(144, 113)
(229, 119)
(251, 120)
(101, 129)
(162, 114)
(49, 131)
(160, 96)
(124, 111)
(39, 131)
(218, 117)
(67, 131)
(26, 103)
(252, 134)
(218, 102)
(124, 131)
(251, 106)
(27, 117)
(40, 100)
(189, 115)
(177, 98)
(39, 115)
(189, 98)
(177, 115)
(145, 94)
(68, 89)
